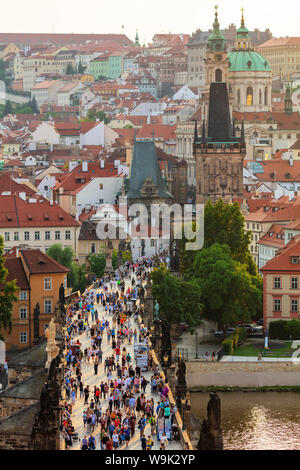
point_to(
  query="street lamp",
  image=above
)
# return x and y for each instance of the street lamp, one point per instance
(196, 334)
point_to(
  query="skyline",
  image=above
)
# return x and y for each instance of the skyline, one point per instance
(67, 18)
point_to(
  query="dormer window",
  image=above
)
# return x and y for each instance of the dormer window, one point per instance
(295, 259)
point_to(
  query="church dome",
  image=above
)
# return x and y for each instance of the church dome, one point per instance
(249, 60)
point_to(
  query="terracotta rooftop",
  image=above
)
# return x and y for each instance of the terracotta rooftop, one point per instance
(274, 237)
(16, 271)
(15, 212)
(282, 262)
(40, 263)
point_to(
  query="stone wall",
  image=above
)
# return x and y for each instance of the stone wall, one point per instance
(14, 441)
(242, 374)
(17, 374)
(10, 406)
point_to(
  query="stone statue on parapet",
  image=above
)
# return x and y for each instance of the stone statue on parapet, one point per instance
(211, 435)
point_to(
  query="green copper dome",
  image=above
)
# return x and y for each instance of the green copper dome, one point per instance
(251, 61)
(243, 57)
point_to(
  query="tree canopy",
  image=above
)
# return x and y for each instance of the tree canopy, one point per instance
(7, 294)
(179, 300)
(228, 292)
(98, 264)
(65, 256)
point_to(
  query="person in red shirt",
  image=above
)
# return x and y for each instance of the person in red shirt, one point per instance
(108, 445)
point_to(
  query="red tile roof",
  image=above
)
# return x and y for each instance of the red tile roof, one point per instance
(72, 181)
(40, 263)
(15, 212)
(8, 184)
(16, 271)
(274, 237)
(282, 261)
(279, 170)
(283, 120)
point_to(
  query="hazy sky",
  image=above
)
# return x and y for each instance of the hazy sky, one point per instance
(148, 16)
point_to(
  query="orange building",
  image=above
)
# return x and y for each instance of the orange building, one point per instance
(39, 278)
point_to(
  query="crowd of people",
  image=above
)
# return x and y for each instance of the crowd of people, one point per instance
(101, 328)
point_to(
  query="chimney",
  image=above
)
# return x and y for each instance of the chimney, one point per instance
(84, 166)
(291, 160)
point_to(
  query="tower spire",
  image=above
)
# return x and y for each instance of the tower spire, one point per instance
(216, 41)
(243, 19)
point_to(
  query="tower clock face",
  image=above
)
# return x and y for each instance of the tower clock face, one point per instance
(218, 57)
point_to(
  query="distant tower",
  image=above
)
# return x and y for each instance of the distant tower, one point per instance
(219, 154)
(288, 103)
(137, 40)
(217, 62)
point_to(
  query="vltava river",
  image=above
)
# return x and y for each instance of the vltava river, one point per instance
(256, 421)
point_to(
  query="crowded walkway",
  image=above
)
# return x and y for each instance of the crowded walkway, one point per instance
(115, 394)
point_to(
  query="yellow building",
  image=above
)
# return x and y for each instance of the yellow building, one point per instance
(283, 55)
(6, 50)
(39, 279)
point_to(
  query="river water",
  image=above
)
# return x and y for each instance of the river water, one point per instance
(256, 421)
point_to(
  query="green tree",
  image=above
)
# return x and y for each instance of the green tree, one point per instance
(7, 108)
(179, 300)
(7, 294)
(34, 106)
(2, 71)
(126, 255)
(64, 256)
(223, 224)
(115, 259)
(70, 70)
(228, 292)
(77, 276)
(80, 68)
(98, 264)
(102, 117)
(91, 116)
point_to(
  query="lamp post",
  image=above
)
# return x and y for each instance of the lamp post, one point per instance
(196, 335)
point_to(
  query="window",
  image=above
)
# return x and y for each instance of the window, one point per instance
(277, 305)
(23, 295)
(47, 283)
(26, 236)
(294, 283)
(57, 234)
(6, 236)
(23, 337)
(23, 313)
(37, 235)
(16, 236)
(218, 75)
(249, 96)
(47, 235)
(277, 282)
(294, 305)
(93, 248)
(68, 234)
(48, 306)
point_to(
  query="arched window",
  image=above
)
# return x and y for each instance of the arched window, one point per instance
(260, 97)
(266, 96)
(249, 96)
(218, 75)
(239, 96)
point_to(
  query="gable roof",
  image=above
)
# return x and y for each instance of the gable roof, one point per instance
(15, 212)
(16, 271)
(282, 260)
(38, 262)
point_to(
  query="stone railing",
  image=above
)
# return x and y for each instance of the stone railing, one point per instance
(184, 437)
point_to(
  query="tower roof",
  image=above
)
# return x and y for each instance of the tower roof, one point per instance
(219, 121)
(242, 32)
(216, 41)
(144, 166)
